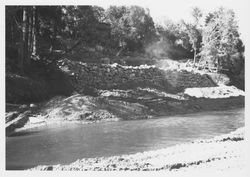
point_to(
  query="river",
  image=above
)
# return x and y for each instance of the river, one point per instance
(66, 143)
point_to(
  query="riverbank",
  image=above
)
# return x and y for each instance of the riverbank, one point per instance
(111, 92)
(221, 153)
(115, 105)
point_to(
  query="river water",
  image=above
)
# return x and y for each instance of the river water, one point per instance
(66, 143)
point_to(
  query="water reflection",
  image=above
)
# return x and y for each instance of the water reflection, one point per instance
(65, 144)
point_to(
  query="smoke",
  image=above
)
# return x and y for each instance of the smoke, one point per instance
(168, 64)
(166, 49)
(159, 49)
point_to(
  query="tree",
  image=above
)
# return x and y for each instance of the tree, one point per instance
(195, 38)
(197, 15)
(194, 31)
(99, 13)
(23, 43)
(221, 39)
(132, 27)
(84, 25)
(142, 26)
(34, 30)
(174, 40)
(115, 16)
(29, 36)
(27, 27)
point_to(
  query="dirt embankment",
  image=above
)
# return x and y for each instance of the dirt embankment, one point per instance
(222, 153)
(150, 92)
(116, 105)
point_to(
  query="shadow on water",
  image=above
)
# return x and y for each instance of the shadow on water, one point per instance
(22, 133)
(15, 168)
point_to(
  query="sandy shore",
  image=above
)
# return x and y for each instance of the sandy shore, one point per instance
(222, 153)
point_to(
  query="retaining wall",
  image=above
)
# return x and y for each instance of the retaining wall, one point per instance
(106, 76)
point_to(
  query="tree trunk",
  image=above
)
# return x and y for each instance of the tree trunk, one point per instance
(34, 31)
(217, 65)
(29, 47)
(23, 41)
(12, 33)
(121, 44)
(53, 37)
(194, 56)
(119, 52)
(37, 22)
(26, 37)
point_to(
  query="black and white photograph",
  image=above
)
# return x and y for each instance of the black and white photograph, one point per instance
(129, 86)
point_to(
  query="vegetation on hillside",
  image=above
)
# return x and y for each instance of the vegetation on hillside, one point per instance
(45, 34)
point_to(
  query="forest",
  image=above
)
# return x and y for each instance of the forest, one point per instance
(38, 36)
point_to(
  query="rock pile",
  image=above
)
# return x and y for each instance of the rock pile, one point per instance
(214, 92)
(115, 76)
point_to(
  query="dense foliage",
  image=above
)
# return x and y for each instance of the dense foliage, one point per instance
(49, 33)
(222, 46)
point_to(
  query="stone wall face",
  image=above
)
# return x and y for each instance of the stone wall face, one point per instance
(183, 79)
(105, 76)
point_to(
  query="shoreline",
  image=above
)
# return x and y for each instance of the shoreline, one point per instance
(112, 109)
(221, 153)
